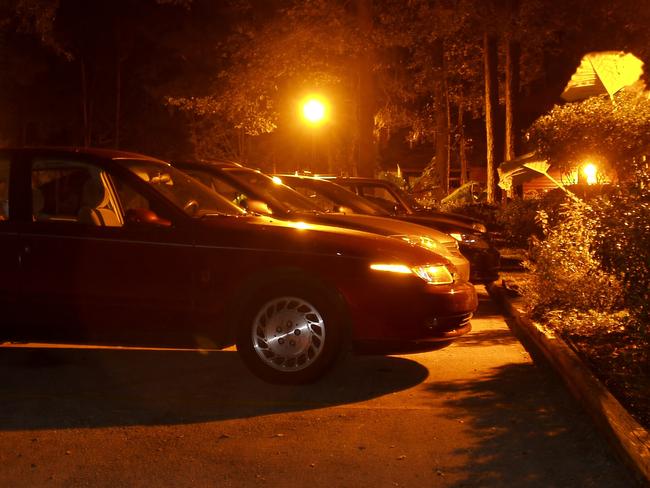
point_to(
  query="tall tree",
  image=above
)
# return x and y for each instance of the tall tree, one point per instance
(491, 108)
(366, 92)
(441, 117)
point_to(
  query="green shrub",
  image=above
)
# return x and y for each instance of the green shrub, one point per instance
(482, 211)
(567, 273)
(518, 219)
(622, 241)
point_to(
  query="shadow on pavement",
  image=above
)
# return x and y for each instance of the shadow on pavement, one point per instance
(70, 387)
(527, 431)
(493, 337)
(489, 336)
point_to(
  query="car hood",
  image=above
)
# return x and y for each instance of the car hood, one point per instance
(381, 225)
(465, 219)
(442, 223)
(273, 235)
(386, 226)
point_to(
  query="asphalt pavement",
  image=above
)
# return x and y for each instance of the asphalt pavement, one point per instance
(480, 413)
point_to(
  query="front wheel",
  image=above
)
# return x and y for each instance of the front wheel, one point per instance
(290, 334)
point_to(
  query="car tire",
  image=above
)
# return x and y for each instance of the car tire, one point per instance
(291, 333)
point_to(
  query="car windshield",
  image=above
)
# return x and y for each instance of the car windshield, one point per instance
(330, 195)
(182, 190)
(407, 197)
(281, 195)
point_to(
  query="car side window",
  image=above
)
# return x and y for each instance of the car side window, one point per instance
(324, 203)
(219, 186)
(4, 189)
(379, 195)
(133, 203)
(72, 191)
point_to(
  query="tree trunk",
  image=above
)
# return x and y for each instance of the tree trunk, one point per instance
(449, 135)
(84, 104)
(491, 103)
(513, 54)
(118, 86)
(118, 99)
(441, 117)
(366, 97)
(462, 149)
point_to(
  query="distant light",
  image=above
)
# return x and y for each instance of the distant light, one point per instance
(590, 172)
(277, 180)
(313, 109)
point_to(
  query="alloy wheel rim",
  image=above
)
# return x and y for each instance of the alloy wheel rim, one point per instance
(288, 334)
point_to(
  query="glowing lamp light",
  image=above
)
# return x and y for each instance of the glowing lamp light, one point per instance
(313, 110)
(590, 171)
(277, 180)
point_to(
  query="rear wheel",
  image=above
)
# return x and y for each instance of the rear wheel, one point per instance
(291, 334)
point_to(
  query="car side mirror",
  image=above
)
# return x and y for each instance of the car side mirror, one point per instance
(143, 217)
(257, 206)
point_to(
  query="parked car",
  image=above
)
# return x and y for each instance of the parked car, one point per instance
(474, 242)
(393, 199)
(108, 247)
(269, 196)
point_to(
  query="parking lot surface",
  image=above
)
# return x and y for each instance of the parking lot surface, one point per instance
(479, 413)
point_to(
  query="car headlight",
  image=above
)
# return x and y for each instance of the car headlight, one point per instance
(433, 274)
(479, 227)
(470, 240)
(422, 241)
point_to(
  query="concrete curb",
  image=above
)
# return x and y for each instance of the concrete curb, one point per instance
(628, 438)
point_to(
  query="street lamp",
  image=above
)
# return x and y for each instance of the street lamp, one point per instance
(315, 113)
(314, 110)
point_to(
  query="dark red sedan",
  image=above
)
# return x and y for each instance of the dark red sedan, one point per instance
(108, 247)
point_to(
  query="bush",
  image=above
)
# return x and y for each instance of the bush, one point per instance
(567, 273)
(482, 211)
(622, 241)
(518, 219)
(591, 257)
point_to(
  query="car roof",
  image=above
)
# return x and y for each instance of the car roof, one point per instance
(111, 154)
(207, 162)
(357, 179)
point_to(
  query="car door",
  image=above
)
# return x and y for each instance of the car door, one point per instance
(90, 277)
(10, 285)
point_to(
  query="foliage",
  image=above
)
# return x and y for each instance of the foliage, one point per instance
(567, 273)
(591, 268)
(524, 219)
(611, 132)
(274, 54)
(572, 323)
(467, 194)
(623, 240)
(427, 189)
(34, 17)
(394, 178)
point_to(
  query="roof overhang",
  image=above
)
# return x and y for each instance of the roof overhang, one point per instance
(520, 170)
